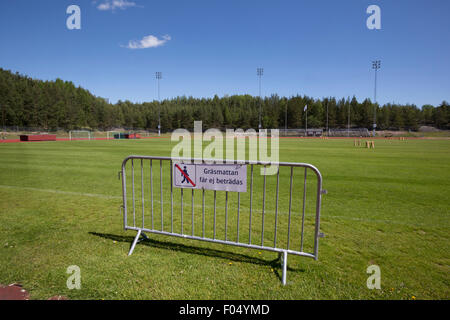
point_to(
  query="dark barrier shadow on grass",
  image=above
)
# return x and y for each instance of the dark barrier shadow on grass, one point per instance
(226, 255)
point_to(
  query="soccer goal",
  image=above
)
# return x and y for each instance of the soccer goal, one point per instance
(80, 135)
(110, 134)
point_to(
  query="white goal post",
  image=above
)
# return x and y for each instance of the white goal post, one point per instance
(80, 135)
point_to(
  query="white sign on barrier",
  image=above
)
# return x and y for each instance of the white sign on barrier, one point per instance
(224, 177)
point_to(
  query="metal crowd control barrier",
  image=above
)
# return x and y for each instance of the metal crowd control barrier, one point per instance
(161, 210)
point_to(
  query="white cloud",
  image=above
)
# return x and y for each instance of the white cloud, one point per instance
(114, 4)
(148, 42)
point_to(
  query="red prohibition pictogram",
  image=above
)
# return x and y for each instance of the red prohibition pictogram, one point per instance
(185, 175)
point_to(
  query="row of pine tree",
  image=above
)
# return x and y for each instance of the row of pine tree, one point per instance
(26, 102)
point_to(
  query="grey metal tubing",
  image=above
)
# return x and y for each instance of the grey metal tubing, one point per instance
(181, 195)
(240, 162)
(134, 201)
(135, 241)
(203, 212)
(214, 214)
(263, 208)
(290, 207)
(171, 198)
(151, 188)
(245, 162)
(226, 215)
(236, 244)
(276, 208)
(142, 191)
(283, 251)
(318, 205)
(284, 266)
(124, 197)
(239, 207)
(161, 192)
(192, 218)
(251, 202)
(304, 206)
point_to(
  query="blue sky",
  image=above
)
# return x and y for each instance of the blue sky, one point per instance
(317, 48)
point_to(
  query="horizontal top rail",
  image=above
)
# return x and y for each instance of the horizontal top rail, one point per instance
(226, 161)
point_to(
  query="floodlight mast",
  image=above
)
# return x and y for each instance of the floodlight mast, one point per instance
(285, 121)
(327, 118)
(348, 121)
(259, 73)
(159, 77)
(375, 65)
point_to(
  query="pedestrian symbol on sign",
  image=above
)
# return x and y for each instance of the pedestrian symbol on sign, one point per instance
(186, 176)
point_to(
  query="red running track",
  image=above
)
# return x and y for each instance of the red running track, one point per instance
(67, 139)
(319, 138)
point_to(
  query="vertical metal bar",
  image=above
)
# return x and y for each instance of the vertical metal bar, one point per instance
(318, 204)
(303, 214)
(290, 206)
(192, 218)
(161, 184)
(203, 212)
(171, 196)
(263, 208)
(226, 214)
(181, 210)
(214, 236)
(276, 209)
(151, 187)
(142, 191)
(239, 208)
(251, 202)
(284, 262)
(134, 204)
(124, 196)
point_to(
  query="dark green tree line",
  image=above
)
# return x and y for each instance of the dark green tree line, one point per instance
(27, 102)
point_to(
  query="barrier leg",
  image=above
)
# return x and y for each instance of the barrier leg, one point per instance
(284, 266)
(134, 242)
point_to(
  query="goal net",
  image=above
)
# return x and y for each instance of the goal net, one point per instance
(80, 135)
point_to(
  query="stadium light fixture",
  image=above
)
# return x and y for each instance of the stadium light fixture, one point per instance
(158, 76)
(375, 65)
(259, 73)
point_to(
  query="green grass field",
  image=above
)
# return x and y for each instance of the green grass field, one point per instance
(389, 206)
